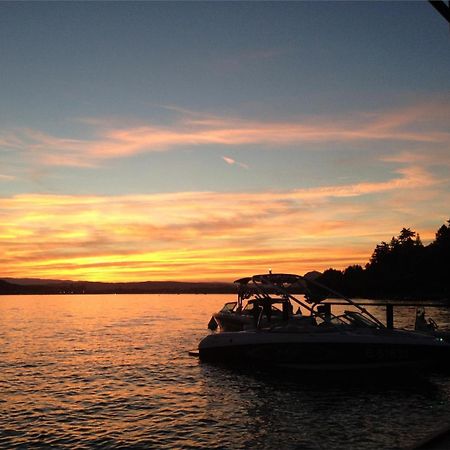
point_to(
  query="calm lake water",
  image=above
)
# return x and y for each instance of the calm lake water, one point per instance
(113, 371)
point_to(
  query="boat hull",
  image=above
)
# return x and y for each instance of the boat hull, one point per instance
(329, 351)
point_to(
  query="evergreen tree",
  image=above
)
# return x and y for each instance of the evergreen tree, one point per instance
(404, 267)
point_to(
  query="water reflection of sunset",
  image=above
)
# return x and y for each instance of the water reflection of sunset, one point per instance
(114, 371)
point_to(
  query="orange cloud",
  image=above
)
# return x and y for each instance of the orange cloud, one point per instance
(420, 124)
(423, 156)
(6, 177)
(207, 235)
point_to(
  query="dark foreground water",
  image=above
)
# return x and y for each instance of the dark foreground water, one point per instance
(113, 371)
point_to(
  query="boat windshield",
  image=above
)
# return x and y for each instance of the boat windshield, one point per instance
(229, 307)
(276, 305)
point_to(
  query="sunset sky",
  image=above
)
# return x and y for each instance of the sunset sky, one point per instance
(209, 141)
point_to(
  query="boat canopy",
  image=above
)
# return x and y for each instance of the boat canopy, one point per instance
(280, 279)
(283, 285)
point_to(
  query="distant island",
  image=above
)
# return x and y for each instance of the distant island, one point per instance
(402, 269)
(13, 286)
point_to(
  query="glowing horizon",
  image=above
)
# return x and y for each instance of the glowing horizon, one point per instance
(221, 235)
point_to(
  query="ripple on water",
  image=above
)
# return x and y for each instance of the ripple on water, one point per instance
(115, 373)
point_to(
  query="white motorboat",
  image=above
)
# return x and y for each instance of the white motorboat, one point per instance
(321, 340)
(258, 305)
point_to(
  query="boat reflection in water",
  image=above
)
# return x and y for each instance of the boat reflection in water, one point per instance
(272, 335)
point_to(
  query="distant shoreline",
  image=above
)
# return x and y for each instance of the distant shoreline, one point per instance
(55, 287)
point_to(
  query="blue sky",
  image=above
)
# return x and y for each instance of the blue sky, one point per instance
(297, 99)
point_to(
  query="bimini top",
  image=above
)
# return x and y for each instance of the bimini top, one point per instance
(285, 284)
(277, 279)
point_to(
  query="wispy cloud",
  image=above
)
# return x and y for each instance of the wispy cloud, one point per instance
(406, 125)
(437, 157)
(7, 177)
(242, 59)
(209, 235)
(232, 162)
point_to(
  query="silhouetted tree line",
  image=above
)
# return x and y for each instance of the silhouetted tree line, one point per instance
(402, 268)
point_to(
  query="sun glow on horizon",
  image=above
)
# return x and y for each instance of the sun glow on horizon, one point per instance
(200, 236)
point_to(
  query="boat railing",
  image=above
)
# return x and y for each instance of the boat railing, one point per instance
(264, 287)
(349, 301)
(261, 283)
(261, 293)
